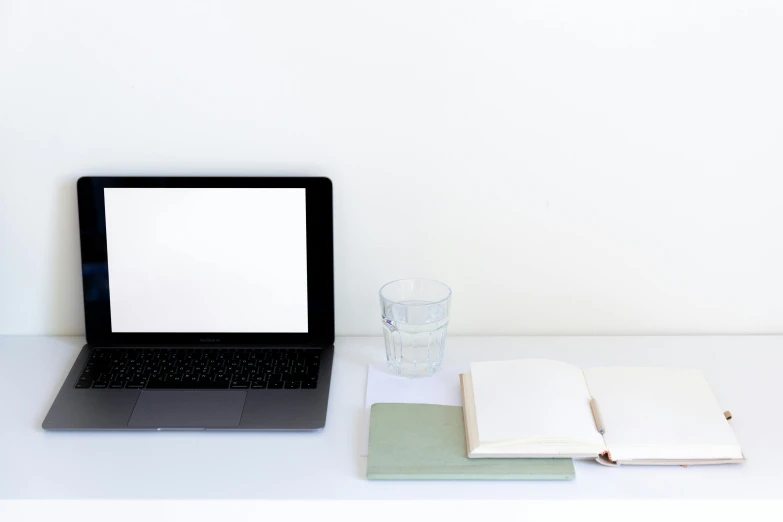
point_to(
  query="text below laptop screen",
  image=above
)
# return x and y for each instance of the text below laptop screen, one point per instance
(207, 260)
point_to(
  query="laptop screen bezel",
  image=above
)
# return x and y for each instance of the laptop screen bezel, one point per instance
(94, 259)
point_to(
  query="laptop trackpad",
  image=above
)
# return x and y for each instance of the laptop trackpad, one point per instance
(188, 409)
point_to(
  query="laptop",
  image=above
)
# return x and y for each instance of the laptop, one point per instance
(208, 304)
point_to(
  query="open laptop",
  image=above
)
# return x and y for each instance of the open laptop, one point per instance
(208, 302)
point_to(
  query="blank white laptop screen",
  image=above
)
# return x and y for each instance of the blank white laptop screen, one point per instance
(205, 260)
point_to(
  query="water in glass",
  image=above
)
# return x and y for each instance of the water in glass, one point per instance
(415, 315)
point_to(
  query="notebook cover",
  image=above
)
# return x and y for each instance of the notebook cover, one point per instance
(603, 459)
(425, 441)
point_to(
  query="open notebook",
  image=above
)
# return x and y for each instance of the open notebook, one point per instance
(542, 408)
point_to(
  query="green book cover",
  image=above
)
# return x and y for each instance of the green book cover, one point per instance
(425, 441)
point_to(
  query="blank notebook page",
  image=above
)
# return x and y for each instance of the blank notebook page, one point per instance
(660, 413)
(532, 399)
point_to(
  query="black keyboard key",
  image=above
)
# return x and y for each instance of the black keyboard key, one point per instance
(220, 383)
(240, 385)
(258, 385)
(84, 383)
(154, 382)
(292, 385)
(116, 384)
(211, 385)
(167, 385)
(309, 385)
(100, 384)
(275, 385)
(170, 382)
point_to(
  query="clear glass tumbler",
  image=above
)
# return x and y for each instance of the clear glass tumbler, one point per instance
(415, 316)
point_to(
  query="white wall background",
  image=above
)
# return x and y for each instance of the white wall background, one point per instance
(566, 166)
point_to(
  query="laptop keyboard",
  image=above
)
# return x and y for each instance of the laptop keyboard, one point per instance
(209, 368)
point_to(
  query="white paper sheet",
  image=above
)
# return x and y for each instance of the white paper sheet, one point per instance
(383, 387)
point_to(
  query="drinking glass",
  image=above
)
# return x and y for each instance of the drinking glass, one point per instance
(415, 315)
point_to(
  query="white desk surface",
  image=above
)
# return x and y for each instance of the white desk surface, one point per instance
(746, 374)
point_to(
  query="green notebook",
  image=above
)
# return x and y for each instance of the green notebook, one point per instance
(424, 441)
